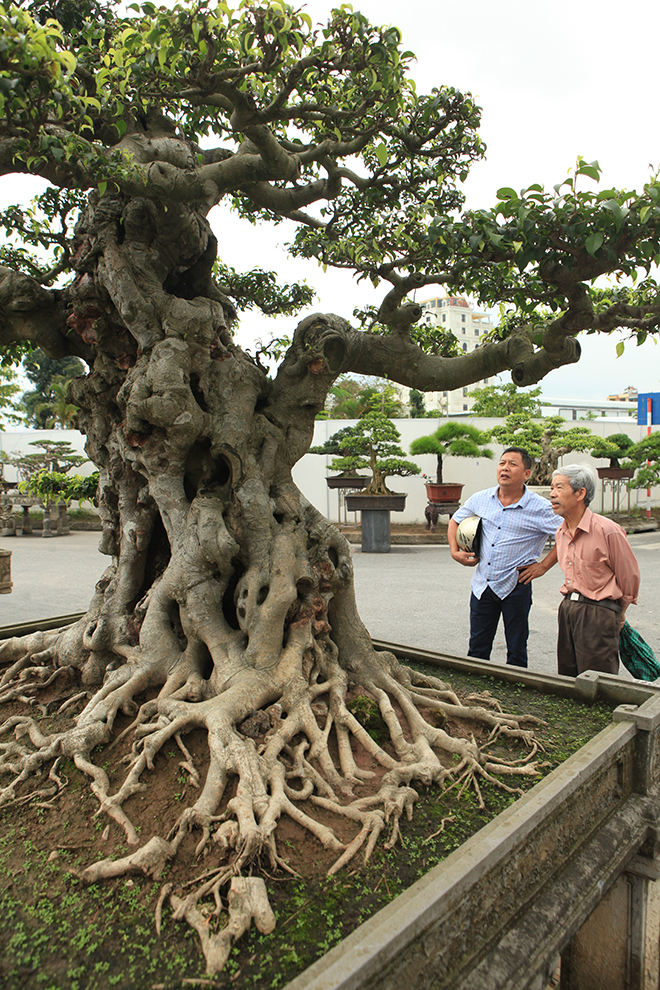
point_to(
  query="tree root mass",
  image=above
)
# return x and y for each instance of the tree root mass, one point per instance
(221, 785)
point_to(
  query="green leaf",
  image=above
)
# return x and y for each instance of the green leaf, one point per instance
(381, 155)
(593, 173)
(593, 242)
(506, 192)
(620, 348)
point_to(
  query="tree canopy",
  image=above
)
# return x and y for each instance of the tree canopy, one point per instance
(321, 125)
(503, 400)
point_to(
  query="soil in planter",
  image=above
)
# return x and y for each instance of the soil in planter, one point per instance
(56, 933)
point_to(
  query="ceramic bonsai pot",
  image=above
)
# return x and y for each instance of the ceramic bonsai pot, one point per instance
(449, 492)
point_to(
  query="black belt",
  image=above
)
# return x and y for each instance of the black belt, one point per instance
(575, 596)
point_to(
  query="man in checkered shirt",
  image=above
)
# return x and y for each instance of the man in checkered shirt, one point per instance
(515, 524)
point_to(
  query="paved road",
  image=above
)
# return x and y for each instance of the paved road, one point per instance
(416, 596)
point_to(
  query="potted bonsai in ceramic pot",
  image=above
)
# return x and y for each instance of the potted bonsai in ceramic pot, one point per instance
(615, 448)
(455, 440)
(373, 443)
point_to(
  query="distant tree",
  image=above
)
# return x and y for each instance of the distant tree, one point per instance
(417, 404)
(452, 439)
(10, 407)
(52, 456)
(46, 402)
(351, 398)
(545, 440)
(503, 400)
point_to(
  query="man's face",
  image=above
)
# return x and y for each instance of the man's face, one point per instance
(563, 499)
(511, 472)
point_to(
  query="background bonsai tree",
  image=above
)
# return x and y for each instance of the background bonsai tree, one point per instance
(339, 446)
(225, 592)
(455, 440)
(614, 448)
(545, 440)
(54, 456)
(373, 443)
(644, 457)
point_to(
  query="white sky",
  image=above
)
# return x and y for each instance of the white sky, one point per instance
(555, 81)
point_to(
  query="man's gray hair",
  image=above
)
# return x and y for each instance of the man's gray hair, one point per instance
(579, 476)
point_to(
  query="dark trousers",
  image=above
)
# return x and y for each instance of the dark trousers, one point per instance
(588, 638)
(484, 616)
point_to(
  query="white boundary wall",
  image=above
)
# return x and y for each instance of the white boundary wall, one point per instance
(311, 472)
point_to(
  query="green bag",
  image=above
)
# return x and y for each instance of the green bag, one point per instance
(636, 655)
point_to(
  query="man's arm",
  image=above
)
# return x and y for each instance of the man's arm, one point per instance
(539, 568)
(623, 562)
(462, 556)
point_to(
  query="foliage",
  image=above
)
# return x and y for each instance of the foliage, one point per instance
(350, 398)
(614, 447)
(54, 486)
(455, 440)
(417, 406)
(372, 443)
(56, 456)
(545, 440)
(503, 400)
(46, 404)
(10, 408)
(645, 457)
(75, 95)
(537, 248)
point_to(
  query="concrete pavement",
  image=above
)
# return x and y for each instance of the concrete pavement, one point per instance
(415, 595)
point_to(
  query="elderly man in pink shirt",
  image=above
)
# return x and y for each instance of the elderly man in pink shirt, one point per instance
(601, 576)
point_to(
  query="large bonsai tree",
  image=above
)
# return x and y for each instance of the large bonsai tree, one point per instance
(546, 440)
(227, 604)
(452, 439)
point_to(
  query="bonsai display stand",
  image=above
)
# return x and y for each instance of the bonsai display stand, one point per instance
(445, 508)
(375, 514)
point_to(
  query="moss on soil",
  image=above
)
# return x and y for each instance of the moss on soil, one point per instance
(56, 933)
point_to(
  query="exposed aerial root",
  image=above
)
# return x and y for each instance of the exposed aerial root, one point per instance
(247, 901)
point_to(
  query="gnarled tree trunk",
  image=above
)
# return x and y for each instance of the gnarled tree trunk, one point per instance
(227, 603)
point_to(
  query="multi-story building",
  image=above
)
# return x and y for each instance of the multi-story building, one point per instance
(628, 395)
(454, 313)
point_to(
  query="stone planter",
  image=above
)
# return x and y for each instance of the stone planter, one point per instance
(449, 492)
(571, 869)
(5, 572)
(376, 528)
